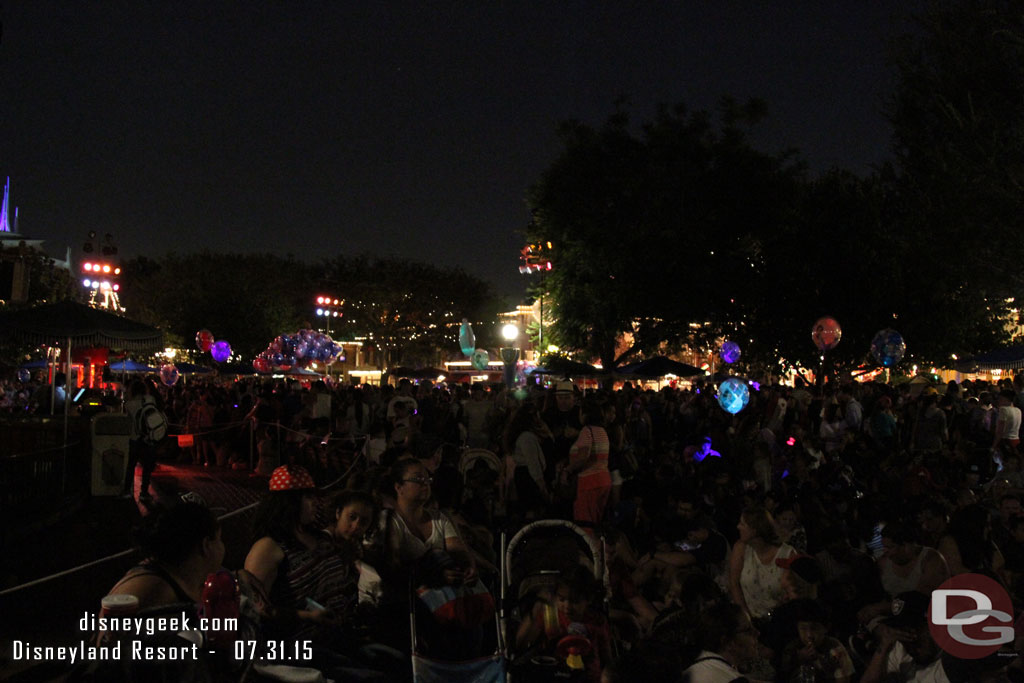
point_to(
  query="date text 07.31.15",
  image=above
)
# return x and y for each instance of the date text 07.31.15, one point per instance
(274, 650)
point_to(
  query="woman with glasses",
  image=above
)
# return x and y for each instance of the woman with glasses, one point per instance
(412, 529)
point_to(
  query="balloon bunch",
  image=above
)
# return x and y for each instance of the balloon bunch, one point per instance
(299, 349)
(219, 350)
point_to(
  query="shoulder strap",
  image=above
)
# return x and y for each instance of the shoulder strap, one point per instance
(161, 573)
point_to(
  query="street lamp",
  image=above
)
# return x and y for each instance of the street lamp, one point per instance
(510, 354)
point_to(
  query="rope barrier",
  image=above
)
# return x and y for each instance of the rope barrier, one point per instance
(45, 450)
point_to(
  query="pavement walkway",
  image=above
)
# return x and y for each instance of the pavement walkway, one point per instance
(56, 574)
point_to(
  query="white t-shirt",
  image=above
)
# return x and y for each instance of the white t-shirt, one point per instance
(711, 668)
(406, 546)
(899, 661)
(1009, 418)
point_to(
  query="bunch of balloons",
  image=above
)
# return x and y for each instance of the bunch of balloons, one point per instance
(299, 349)
(219, 350)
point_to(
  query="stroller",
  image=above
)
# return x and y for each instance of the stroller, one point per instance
(426, 669)
(532, 561)
(484, 481)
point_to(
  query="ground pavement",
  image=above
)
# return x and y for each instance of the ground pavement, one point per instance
(96, 536)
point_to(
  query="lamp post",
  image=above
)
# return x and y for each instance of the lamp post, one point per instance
(510, 353)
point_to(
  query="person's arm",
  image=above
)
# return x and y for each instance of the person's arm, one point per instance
(878, 667)
(735, 569)
(583, 447)
(934, 572)
(950, 552)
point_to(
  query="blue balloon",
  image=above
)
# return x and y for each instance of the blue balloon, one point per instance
(730, 352)
(24, 375)
(480, 359)
(888, 347)
(733, 395)
(278, 358)
(467, 340)
(221, 351)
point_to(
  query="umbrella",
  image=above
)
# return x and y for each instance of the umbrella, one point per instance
(128, 365)
(192, 369)
(1009, 358)
(659, 366)
(557, 365)
(418, 373)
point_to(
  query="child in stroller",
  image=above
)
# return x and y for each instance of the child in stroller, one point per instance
(551, 619)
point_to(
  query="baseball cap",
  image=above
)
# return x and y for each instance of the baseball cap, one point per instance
(291, 478)
(565, 387)
(909, 610)
(804, 566)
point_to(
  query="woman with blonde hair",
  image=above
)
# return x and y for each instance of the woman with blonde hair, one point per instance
(755, 577)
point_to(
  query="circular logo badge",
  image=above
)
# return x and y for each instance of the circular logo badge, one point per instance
(971, 616)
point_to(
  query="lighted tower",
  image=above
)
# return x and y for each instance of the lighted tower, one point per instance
(5, 225)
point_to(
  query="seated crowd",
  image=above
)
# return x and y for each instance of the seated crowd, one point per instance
(798, 540)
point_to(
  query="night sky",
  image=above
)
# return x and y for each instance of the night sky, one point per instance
(402, 128)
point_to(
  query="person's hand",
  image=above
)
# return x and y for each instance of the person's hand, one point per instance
(454, 577)
(807, 653)
(887, 636)
(321, 616)
(869, 612)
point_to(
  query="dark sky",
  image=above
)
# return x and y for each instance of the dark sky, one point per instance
(403, 128)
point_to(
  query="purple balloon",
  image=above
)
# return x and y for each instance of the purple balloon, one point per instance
(220, 351)
(301, 349)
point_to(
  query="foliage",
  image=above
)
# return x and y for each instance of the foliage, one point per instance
(409, 311)
(653, 232)
(245, 299)
(959, 148)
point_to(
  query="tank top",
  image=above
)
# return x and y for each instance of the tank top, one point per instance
(895, 584)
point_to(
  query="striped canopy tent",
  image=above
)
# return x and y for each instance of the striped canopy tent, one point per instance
(71, 325)
(1009, 358)
(69, 322)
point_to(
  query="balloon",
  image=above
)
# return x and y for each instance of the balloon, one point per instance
(826, 333)
(277, 358)
(204, 340)
(24, 376)
(261, 364)
(480, 359)
(733, 395)
(169, 374)
(730, 352)
(301, 349)
(467, 340)
(888, 347)
(220, 351)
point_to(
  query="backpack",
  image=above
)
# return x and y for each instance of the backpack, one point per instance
(151, 423)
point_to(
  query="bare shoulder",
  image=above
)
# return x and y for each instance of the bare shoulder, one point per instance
(150, 589)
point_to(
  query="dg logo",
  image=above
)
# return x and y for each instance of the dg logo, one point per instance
(971, 616)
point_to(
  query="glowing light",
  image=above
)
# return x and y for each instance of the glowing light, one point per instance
(95, 284)
(117, 271)
(106, 268)
(510, 332)
(86, 283)
(87, 266)
(117, 288)
(791, 441)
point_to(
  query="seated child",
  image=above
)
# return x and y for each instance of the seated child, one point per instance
(814, 653)
(573, 615)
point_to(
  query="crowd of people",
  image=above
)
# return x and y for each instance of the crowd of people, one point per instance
(798, 540)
